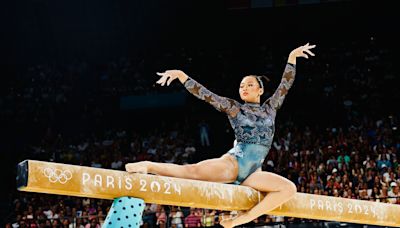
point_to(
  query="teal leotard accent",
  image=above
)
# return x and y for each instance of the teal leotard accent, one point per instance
(250, 157)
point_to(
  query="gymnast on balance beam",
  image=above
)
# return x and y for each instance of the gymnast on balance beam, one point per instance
(254, 125)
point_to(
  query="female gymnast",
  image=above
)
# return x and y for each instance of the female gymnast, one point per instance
(254, 126)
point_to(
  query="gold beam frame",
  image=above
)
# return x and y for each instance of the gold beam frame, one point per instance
(64, 179)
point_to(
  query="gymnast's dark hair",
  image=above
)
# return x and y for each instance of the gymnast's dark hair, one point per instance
(260, 79)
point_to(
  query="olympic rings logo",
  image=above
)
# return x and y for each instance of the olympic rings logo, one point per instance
(57, 175)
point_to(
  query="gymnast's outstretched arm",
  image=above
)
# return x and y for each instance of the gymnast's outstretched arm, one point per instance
(276, 100)
(223, 104)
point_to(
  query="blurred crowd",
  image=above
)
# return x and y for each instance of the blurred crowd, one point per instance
(352, 152)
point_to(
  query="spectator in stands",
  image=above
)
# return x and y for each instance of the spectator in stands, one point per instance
(161, 217)
(208, 219)
(204, 133)
(176, 217)
(192, 220)
(394, 193)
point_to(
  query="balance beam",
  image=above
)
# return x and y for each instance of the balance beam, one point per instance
(73, 180)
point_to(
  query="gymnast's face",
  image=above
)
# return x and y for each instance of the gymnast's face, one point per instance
(250, 90)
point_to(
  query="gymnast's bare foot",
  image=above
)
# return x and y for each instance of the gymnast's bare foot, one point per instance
(138, 167)
(227, 223)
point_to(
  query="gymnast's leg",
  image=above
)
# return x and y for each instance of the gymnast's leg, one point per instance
(223, 169)
(279, 191)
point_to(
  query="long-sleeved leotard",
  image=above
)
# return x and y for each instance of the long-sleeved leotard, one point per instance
(252, 123)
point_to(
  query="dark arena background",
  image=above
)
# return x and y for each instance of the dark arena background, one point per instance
(78, 87)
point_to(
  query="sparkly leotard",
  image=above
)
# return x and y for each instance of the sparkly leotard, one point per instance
(253, 124)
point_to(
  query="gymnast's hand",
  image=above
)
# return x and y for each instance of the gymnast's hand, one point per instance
(170, 75)
(302, 51)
